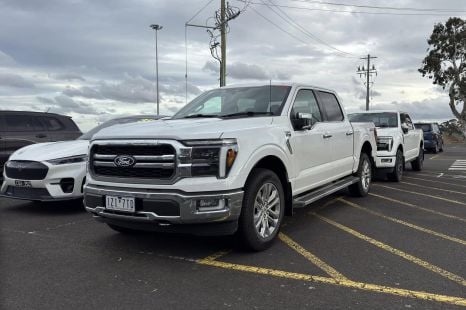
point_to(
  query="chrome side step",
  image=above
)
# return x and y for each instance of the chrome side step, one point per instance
(321, 192)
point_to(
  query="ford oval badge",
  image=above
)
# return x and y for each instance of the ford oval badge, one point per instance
(124, 161)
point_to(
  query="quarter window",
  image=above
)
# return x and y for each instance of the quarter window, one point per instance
(53, 124)
(331, 106)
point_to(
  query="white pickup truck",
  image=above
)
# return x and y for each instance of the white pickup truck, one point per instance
(398, 142)
(235, 159)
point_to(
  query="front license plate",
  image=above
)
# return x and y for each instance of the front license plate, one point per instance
(19, 183)
(125, 204)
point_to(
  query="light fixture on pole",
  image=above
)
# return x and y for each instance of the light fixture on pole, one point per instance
(157, 28)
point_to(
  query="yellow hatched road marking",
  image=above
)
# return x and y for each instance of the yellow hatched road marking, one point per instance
(436, 188)
(344, 283)
(383, 246)
(419, 208)
(422, 194)
(311, 257)
(425, 230)
(434, 181)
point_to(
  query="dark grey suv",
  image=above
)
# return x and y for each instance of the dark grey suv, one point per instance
(19, 128)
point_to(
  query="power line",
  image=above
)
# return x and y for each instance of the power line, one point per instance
(303, 30)
(351, 12)
(199, 11)
(380, 7)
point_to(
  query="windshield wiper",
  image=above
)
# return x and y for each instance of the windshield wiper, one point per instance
(200, 115)
(249, 113)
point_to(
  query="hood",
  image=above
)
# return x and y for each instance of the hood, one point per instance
(52, 150)
(182, 129)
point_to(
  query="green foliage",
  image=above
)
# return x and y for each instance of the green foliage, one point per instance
(445, 63)
(451, 128)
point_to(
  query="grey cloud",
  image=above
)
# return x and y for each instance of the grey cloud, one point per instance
(68, 77)
(244, 71)
(428, 109)
(15, 81)
(85, 92)
(6, 60)
(63, 104)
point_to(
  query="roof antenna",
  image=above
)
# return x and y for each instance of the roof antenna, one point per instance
(270, 96)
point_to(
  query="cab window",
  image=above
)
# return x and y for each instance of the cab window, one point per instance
(331, 106)
(305, 102)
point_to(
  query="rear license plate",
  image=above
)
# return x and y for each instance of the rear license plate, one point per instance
(125, 204)
(19, 183)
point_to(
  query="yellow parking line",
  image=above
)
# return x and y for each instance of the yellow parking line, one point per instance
(419, 208)
(425, 230)
(435, 156)
(409, 257)
(311, 257)
(215, 256)
(436, 188)
(443, 174)
(434, 181)
(422, 194)
(344, 283)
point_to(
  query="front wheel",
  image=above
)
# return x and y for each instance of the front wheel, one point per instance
(397, 173)
(418, 163)
(364, 173)
(262, 211)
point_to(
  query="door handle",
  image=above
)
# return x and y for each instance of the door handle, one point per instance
(40, 135)
(349, 133)
(327, 136)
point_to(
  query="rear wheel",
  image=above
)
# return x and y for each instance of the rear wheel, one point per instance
(435, 149)
(364, 173)
(441, 147)
(262, 211)
(397, 173)
(418, 163)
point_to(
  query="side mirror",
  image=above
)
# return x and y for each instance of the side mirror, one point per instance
(405, 128)
(304, 121)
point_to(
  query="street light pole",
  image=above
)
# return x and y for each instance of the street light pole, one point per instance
(157, 28)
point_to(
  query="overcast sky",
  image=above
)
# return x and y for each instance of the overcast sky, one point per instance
(95, 59)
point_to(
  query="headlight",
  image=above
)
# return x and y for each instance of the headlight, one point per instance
(68, 160)
(384, 144)
(209, 157)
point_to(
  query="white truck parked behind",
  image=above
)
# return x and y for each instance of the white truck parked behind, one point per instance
(235, 159)
(398, 142)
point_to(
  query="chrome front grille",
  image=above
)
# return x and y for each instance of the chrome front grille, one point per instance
(148, 161)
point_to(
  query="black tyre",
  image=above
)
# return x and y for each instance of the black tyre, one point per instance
(418, 163)
(435, 149)
(124, 230)
(262, 211)
(364, 173)
(441, 147)
(397, 173)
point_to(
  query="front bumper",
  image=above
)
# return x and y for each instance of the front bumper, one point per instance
(163, 210)
(382, 162)
(48, 189)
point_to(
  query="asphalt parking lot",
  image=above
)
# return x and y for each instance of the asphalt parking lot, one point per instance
(403, 246)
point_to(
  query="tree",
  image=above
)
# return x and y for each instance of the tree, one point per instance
(445, 63)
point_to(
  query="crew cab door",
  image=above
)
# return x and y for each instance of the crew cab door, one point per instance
(339, 134)
(310, 151)
(411, 138)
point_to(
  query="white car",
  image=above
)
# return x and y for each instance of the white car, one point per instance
(234, 159)
(398, 142)
(53, 171)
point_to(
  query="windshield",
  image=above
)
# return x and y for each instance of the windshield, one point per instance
(383, 119)
(88, 135)
(237, 102)
(424, 127)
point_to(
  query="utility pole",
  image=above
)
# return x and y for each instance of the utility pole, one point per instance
(367, 72)
(223, 44)
(157, 28)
